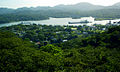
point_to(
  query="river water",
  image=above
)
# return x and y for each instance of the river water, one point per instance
(58, 21)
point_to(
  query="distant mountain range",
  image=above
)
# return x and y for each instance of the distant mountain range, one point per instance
(75, 11)
(80, 7)
(83, 6)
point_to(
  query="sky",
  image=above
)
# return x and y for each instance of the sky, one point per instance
(35, 3)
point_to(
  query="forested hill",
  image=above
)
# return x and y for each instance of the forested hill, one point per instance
(83, 6)
(97, 53)
(74, 11)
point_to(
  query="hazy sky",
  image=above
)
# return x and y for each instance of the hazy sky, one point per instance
(34, 3)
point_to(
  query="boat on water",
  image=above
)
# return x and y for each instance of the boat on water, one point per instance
(81, 22)
(84, 20)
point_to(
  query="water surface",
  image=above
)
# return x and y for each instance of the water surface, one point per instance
(58, 21)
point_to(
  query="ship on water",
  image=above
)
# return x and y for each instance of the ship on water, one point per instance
(84, 20)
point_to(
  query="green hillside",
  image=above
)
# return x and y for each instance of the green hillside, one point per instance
(96, 53)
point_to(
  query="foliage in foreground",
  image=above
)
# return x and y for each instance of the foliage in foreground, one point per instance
(98, 53)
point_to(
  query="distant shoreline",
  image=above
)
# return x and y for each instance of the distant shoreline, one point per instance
(96, 19)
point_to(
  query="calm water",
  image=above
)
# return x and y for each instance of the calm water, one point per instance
(57, 21)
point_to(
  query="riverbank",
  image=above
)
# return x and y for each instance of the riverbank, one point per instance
(97, 18)
(59, 21)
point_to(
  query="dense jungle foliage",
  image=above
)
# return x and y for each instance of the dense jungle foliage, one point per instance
(95, 53)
